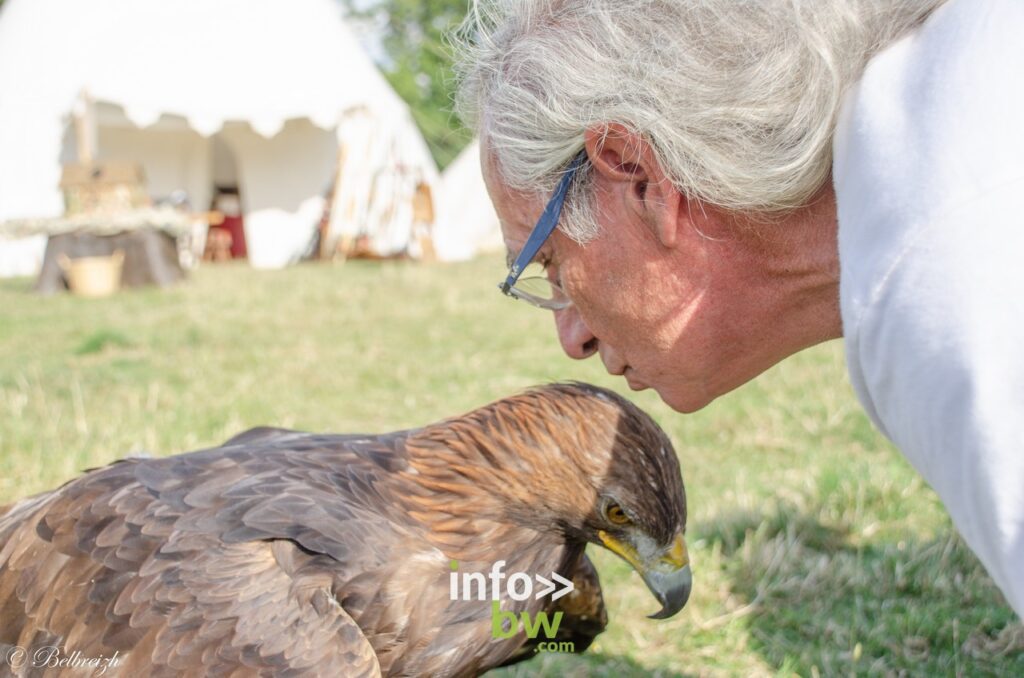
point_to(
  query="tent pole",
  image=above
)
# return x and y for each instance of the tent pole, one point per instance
(86, 133)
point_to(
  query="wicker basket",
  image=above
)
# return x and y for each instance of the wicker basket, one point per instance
(93, 276)
(109, 188)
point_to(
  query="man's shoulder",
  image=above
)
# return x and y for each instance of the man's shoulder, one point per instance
(929, 133)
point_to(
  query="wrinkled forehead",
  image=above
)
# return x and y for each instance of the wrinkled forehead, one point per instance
(499, 191)
(517, 210)
(490, 168)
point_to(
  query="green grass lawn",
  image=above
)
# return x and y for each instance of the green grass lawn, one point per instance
(816, 549)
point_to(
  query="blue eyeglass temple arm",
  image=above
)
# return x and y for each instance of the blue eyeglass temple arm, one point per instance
(545, 225)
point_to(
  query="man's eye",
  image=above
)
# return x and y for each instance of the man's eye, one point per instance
(534, 269)
(547, 265)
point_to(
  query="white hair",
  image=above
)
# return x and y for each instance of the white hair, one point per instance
(738, 98)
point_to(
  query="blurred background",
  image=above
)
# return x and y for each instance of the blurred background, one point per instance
(218, 214)
(259, 130)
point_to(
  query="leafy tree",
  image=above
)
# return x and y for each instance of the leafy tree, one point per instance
(418, 63)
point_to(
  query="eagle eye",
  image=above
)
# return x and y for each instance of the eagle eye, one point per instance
(615, 515)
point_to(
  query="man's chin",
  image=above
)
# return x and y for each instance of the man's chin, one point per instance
(680, 399)
(632, 381)
(686, 401)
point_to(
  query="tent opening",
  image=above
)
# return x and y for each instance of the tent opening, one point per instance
(226, 237)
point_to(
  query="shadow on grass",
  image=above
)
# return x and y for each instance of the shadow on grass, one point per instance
(823, 600)
(587, 665)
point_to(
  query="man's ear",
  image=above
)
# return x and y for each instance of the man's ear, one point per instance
(623, 157)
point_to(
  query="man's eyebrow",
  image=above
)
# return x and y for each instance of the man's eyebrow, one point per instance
(509, 258)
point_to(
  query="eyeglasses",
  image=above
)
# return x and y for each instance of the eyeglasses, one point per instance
(538, 290)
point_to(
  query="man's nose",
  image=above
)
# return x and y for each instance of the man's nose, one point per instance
(578, 341)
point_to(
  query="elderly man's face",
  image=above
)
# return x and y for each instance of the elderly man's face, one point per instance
(631, 305)
(681, 297)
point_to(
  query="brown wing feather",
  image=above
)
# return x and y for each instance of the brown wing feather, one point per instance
(119, 560)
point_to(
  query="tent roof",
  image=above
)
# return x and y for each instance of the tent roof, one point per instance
(469, 223)
(210, 61)
(162, 64)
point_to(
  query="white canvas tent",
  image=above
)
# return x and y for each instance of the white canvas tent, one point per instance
(467, 221)
(260, 93)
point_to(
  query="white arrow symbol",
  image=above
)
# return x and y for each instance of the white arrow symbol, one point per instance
(549, 586)
(562, 580)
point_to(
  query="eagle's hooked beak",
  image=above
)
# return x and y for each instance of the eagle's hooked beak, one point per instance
(665, 571)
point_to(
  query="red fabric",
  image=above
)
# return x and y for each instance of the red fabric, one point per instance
(233, 225)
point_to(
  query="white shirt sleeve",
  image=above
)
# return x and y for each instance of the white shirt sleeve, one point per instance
(929, 176)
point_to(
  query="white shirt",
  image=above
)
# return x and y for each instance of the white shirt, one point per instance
(929, 178)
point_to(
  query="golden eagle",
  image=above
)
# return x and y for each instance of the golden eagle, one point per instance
(282, 552)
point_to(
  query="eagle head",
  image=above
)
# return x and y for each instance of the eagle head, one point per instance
(584, 461)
